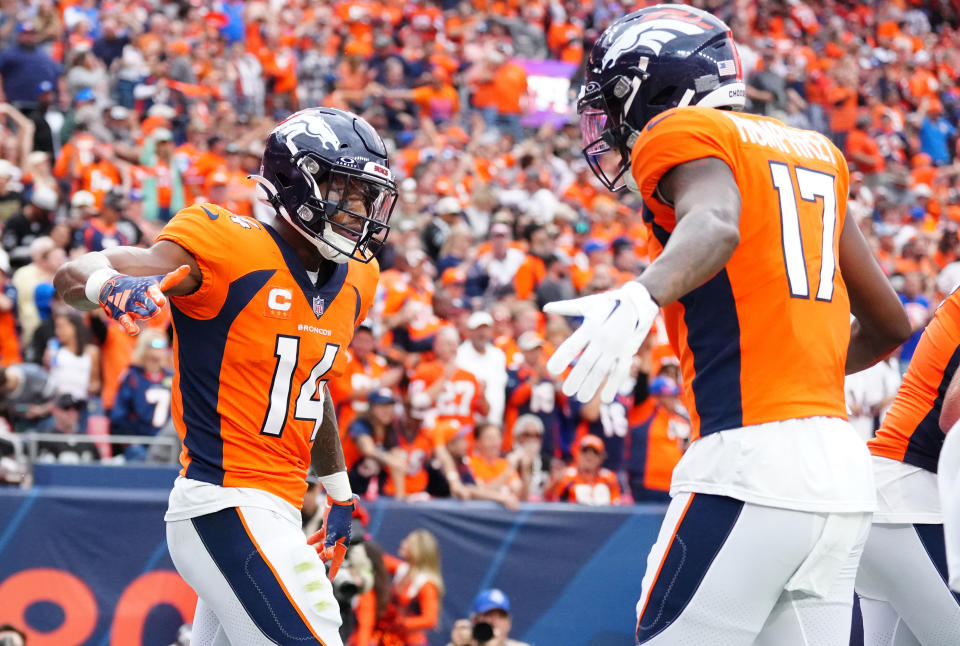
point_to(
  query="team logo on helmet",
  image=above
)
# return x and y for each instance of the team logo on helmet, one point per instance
(653, 32)
(305, 124)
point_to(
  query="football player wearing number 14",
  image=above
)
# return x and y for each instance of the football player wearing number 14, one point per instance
(263, 312)
(757, 269)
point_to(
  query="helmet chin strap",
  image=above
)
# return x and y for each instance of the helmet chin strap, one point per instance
(324, 248)
(628, 179)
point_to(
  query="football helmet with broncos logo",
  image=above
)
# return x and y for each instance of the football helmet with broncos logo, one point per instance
(646, 62)
(326, 172)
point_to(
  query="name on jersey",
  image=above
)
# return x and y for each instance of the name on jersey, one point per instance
(772, 135)
(316, 330)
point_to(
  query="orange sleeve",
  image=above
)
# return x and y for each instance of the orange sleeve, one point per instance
(62, 166)
(207, 233)
(677, 136)
(429, 600)
(392, 563)
(421, 96)
(366, 614)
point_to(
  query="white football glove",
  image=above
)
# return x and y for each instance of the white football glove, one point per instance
(615, 323)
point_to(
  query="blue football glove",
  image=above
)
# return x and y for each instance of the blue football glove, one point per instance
(127, 298)
(333, 540)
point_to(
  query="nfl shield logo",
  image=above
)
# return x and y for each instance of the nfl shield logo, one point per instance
(318, 306)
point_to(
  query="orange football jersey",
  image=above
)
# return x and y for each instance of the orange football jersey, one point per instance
(766, 338)
(911, 431)
(458, 400)
(253, 348)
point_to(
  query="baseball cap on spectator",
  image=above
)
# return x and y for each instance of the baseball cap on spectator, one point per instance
(491, 599)
(593, 244)
(161, 110)
(118, 112)
(162, 134)
(44, 198)
(590, 441)
(499, 229)
(81, 199)
(621, 243)
(415, 257)
(447, 430)
(7, 169)
(448, 206)
(66, 401)
(84, 95)
(453, 276)
(529, 340)
(664, 386)
(44, 86)
(233, 148)
(382, 396)
(219, 179)
(478, 319)
(581, 226)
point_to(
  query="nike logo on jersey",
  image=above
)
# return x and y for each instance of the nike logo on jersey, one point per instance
(210, 214)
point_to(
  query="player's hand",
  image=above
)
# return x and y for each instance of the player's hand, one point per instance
(614, 325)
(128, 298)
(332, 541)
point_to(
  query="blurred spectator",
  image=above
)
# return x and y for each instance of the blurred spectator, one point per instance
(23, 66)
(486, 362)
(100, 232)
(447, 213)
(441, 390)
(73, 361)
(497, 267)
(527, 458)
(27, 394)
(587, 483)
(917, 306)
(65, 421)
(374, 432)
(532, 390)
(656, 440)
(415, 594)
(492, 607)
(46, 259)
(34, 221)
(142, 405)
(869, 393)
(11, 191)
(495, 476)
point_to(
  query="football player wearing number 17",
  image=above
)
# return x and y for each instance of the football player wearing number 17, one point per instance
(263, 312)
(757, 269)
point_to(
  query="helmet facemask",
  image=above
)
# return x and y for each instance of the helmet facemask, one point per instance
(348, 209)
(607, 138)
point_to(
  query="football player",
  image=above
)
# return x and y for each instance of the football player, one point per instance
(757, 270)
(902, 581)
(263, 312)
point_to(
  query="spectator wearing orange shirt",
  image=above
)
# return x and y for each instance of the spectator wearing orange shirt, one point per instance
(863, 152)
(438, 99)
(588, 483)
(415, 594)
(496, 479)
(440, 390)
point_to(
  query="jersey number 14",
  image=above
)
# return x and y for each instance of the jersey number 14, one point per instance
(309, 405)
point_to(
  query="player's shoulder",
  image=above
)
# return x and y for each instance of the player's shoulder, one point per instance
(687, 120)
(213, 223)
(364, 275)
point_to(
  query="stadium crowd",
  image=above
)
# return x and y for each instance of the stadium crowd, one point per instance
(114, 115)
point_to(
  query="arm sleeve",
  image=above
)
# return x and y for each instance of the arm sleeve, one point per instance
(204, 231)
(429, 603)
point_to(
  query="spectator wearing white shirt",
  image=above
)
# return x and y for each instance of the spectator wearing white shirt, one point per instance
(869, 394)
(499, 265)
(486, 361)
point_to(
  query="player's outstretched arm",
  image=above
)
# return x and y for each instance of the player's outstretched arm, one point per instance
(707, 205)
(881, 324)
(128, 282)
(706, 201)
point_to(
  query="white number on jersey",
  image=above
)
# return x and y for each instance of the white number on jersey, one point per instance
(309, 406)
(160, 398)
(812, 184)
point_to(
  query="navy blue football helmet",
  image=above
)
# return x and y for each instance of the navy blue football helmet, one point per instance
(326, 172)
(646, 62)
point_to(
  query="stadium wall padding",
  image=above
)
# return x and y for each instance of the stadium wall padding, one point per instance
(83, 561)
